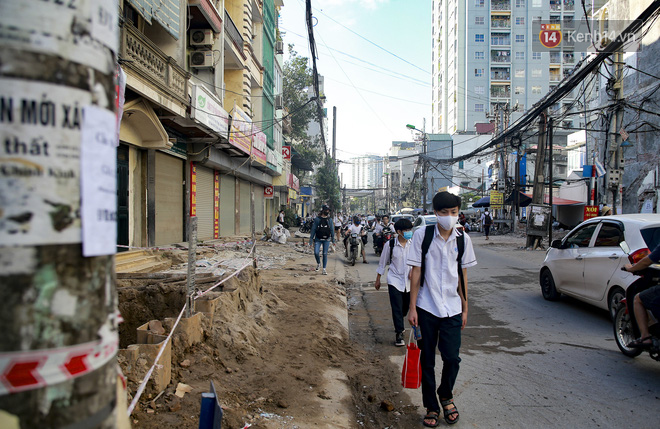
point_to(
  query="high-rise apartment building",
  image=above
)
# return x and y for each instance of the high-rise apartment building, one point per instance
(483, 58)
(363, 172)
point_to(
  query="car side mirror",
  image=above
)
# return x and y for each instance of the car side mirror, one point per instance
(556, 244)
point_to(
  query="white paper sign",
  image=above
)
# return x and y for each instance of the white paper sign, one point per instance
(98, 182)
(40, 162)
(648, 206)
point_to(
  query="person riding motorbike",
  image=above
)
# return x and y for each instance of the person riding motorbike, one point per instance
(384, 225)
(648, 299)
(356, 228)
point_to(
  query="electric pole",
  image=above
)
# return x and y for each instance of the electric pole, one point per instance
(58, 236)
(614, 168)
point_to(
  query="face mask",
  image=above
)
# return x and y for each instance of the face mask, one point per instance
(447, 222)
(407, 235)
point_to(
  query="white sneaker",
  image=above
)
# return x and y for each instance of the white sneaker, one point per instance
(318, 267)
(325, 273)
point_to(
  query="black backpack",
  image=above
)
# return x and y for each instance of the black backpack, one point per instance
(426, 243)
(392, 243)
(488, 220)
(323, 230)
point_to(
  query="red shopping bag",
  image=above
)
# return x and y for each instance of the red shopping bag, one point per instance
(411, 374)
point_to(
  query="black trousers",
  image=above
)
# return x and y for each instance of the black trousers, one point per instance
(445, 334)
(400, 302)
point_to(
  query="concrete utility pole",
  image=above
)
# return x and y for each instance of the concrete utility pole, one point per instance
(334, 135)
(614, 167)
(539, 179)
(58, 301)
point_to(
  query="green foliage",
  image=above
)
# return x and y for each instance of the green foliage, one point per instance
(297, 77)
(327, 184)
(465, 200)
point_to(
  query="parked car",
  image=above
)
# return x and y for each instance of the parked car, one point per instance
(422, 221)
(586, 264)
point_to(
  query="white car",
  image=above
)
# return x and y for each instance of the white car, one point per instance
(422, 221)
(587, 263)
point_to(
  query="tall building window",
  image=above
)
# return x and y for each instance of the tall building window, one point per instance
(479, 107)
(536, 55)
(520, 55)
(479, 55)
(479, 20)
(536, 90)
(478, 3)
(480, 90)
(461, 164)
(537, 3)
(537, 73)
(520, 3)
(520, 72)
(520, 20)
(520, 90)
(478, 72)
(479, 38)
(520, 38)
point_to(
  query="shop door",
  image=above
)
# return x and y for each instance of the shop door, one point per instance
(122, 197)
(169, 199)
(204, 203)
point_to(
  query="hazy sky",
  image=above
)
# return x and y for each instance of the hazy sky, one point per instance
(376, 93)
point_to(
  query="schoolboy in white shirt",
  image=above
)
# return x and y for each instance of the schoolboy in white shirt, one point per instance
(438, 303)
(398, 277)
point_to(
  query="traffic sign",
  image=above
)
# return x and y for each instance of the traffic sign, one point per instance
(268, 192)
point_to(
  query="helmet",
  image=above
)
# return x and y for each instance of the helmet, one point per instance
(325, 208)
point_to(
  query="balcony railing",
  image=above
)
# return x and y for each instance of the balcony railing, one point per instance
(500, 92)
(569, 5)
(232, 31)
(555, 77)
(500, 5)
(145, 59)
(500, 41)
(500, 23)
(569, 58)
(500, 76)
(555, 57)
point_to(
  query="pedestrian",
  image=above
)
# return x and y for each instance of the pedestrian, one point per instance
(395, 253)
(606, 211)
(280, 218)
(322, 235)
(336, 221)
(439, 256)
(486, 221)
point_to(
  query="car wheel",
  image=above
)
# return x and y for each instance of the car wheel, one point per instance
(615, 297)
(548, 286)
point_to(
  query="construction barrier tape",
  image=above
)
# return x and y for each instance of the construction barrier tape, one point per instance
(34, 369)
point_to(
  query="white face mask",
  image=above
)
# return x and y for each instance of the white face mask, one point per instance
(447, 222)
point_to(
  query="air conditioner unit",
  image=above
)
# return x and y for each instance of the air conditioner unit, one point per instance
(201, 37)
(279, 105)
(201, 59)
(279, 47)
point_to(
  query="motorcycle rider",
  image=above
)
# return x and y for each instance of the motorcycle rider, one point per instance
(381, 227)
(357, 228)
(648, 299)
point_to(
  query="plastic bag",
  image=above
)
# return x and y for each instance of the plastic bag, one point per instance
(411, 373)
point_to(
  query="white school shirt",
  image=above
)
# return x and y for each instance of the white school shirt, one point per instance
(397, 276)
(355, 229)
(439, 293)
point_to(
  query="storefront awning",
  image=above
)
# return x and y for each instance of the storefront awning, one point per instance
(141, 127)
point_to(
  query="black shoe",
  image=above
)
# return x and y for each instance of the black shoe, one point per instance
(399, 340)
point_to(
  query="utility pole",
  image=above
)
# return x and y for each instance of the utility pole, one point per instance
(539, 179)
(614, 168)
(58, 302)
(334, 135)
(550, 176)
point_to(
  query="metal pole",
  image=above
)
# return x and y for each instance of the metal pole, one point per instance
(254, 254)
(192, 263)
(58, 298)
(334, 135)
(550, 175)
(424, 166)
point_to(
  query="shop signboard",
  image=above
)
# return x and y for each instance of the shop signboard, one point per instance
(590, 212)
(259, 146)
(496, 200)
(241, 131)
(208, 111)
(286, 152)
(269, 192)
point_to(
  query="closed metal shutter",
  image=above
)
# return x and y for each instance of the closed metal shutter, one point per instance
(246, 215)
(169, 199)
(259, 208)
(204, 203)
(227, 204)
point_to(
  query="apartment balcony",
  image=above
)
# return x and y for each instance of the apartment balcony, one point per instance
(232, 32)
(500, 22)
(234, 55)
(500, 56)
(569, 5)
(152, 67)
(500, 74)
(567, 71)
(500, 5)
(206, 10)
(500, 39)
(555, 5)
(555, 76)
(500, 91)
(569, 58)
(555, 57)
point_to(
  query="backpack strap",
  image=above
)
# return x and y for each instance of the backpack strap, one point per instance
(426, 243)
(391, 248)
(460, 243)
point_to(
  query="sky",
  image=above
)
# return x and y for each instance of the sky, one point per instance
(376, 92)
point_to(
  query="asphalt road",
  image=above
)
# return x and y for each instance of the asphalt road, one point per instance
(526, 362)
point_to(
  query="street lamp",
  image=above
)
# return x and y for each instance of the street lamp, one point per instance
(424, 139)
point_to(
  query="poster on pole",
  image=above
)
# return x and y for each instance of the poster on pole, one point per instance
(496, 200)
(538, 220)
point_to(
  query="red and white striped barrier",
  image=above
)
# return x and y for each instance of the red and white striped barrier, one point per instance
(34, 369)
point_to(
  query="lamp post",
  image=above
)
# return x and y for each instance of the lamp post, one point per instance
(424, 139)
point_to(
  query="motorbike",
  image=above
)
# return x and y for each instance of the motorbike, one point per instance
(306, 227)
(387, 234)
(625, 325)
(353, 248)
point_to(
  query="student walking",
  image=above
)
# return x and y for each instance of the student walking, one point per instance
(439, 256)
(395, 253)
(322, 234)
(486, 221)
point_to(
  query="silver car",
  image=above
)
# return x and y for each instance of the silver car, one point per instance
(422, 221)
(586, 264)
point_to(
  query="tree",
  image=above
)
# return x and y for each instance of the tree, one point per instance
(327, 184)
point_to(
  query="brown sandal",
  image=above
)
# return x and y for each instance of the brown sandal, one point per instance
(452, 410)
(432, 415)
